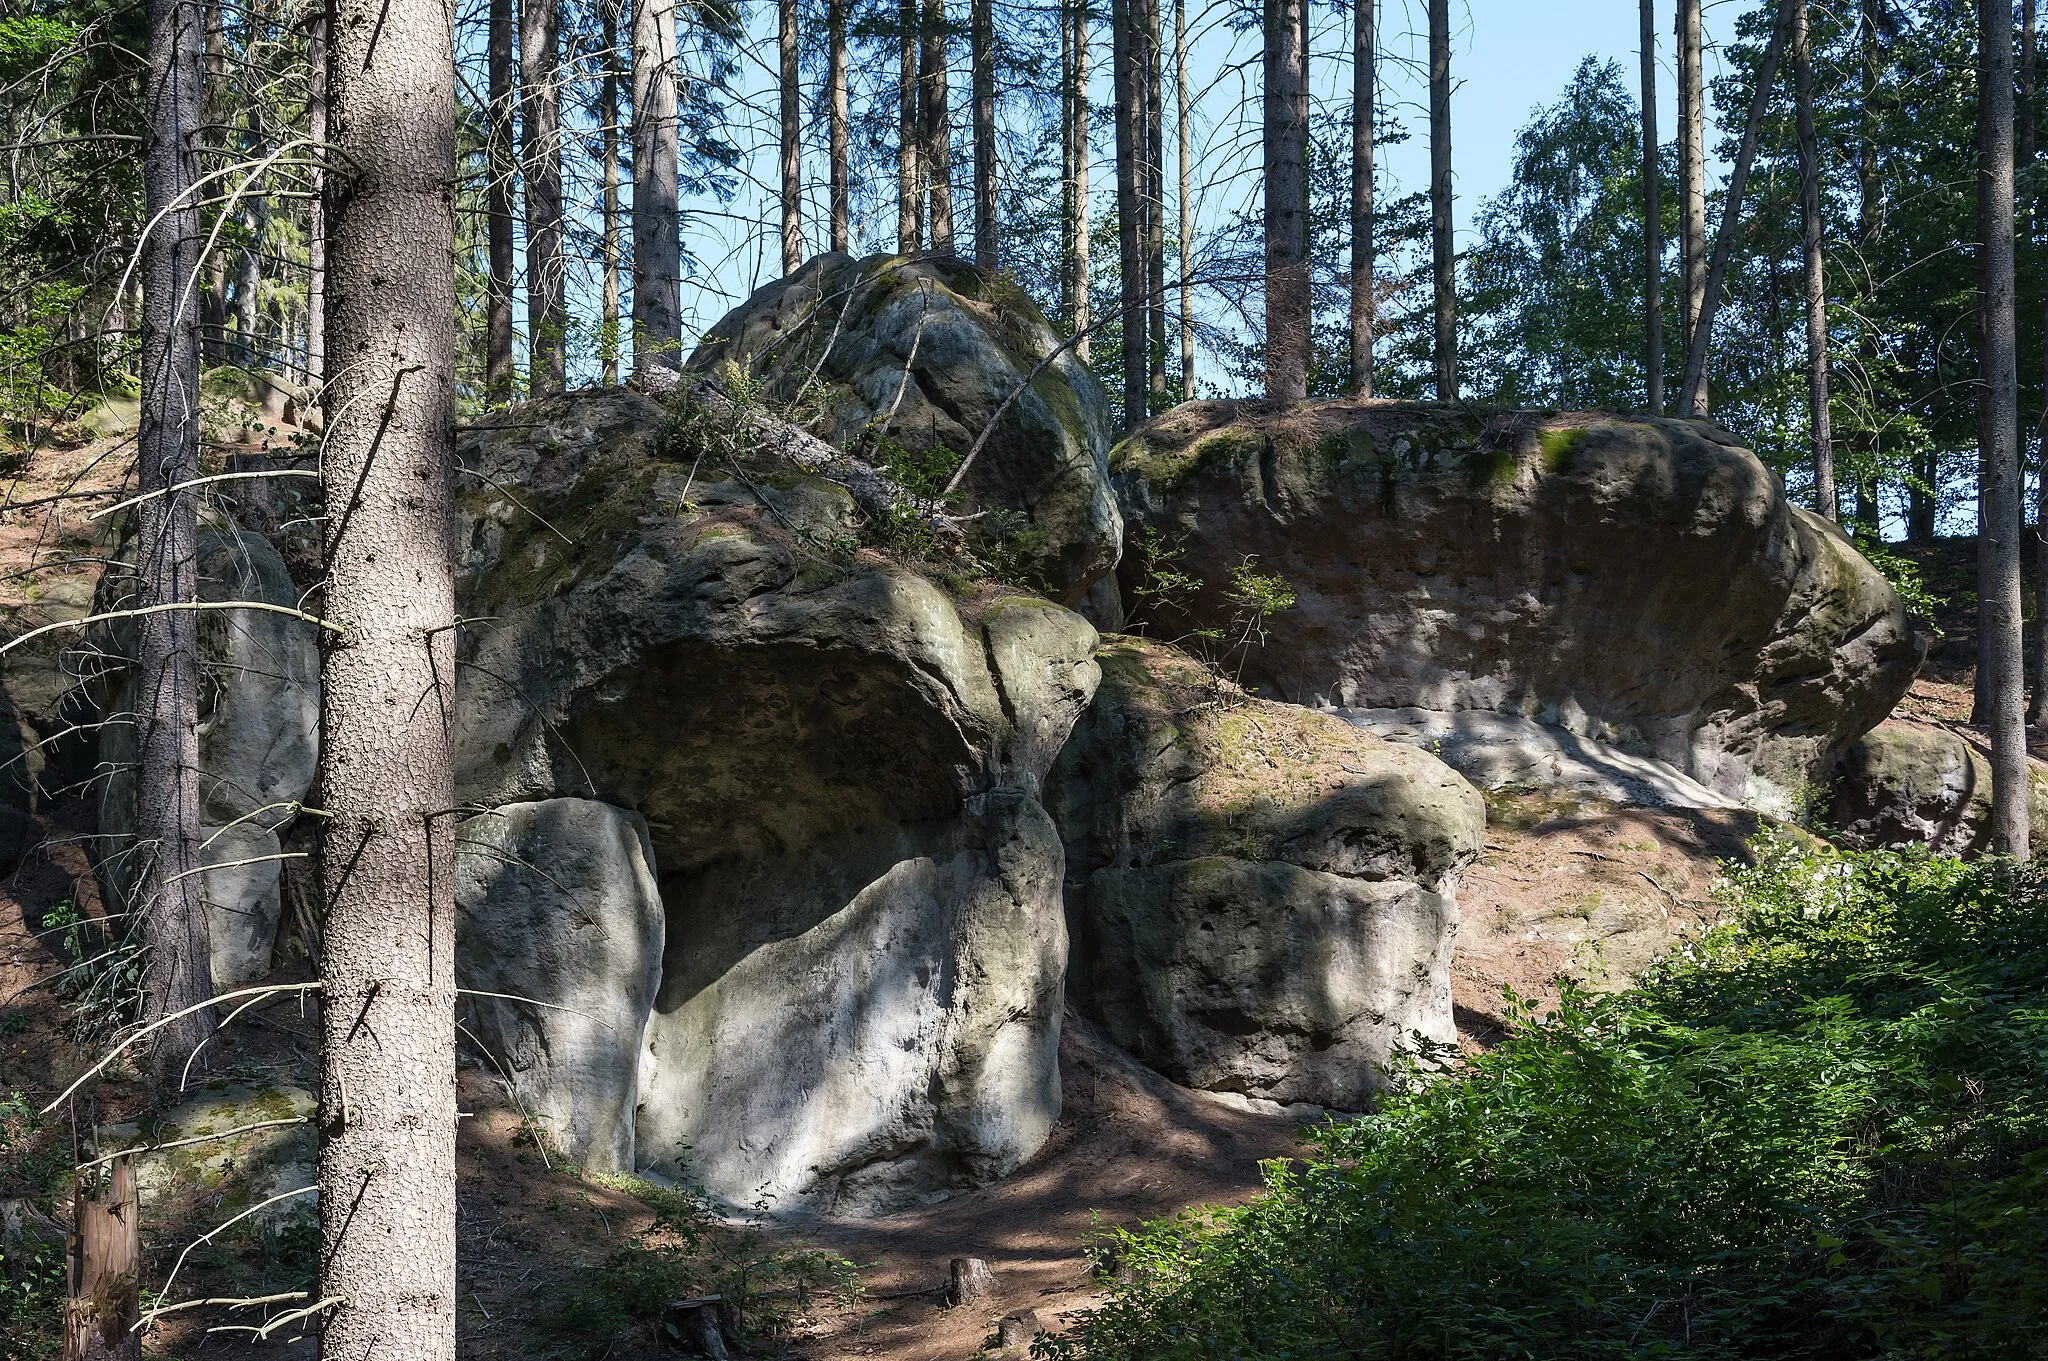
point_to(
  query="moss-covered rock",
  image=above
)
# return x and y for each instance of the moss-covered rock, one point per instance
(891, 354)
(1641, 582)
(1906, 783)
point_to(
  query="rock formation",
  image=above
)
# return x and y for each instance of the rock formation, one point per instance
(1642, 582)
(838, 766)
(920, 354)
(1905, 783)
(1263, 895)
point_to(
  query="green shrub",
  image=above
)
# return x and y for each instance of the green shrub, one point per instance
(1818, 1132)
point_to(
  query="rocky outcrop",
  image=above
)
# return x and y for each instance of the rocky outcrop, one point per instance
(1905, 783)
(838, 766)
(558, 948)
(893, 355)
(273, 1158)
(1640, 582)
(1263, 896)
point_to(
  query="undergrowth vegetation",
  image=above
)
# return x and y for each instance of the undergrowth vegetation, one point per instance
(1819, 1131)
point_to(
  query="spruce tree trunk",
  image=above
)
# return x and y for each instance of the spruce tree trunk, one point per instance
(1653, 222)
(178, 971)
(386, 847)
(1819, 430)
(541, 151)
(1443, 258)
(1083, 315)
(1692, 172)
(249, 260)
(1364, 251)
(1130, 116)
(657, 231)
(792, 139)
(501, 379)
(316, 212)
(608, 169)
(835, 97)
(1154, 205)
(982, 41)
(1998, 474)
(1185, 200)
(216, 102)
(909, 173)
(2037, 703)
(935, 158)
(1286, 167)
(1068, 106)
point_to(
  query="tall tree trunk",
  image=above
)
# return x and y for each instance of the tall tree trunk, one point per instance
(178, 971)
(835, 97)
(249, 259)
(1443, 259)
(1083, 316)
(540, 92)
(1693, 401)
(500, 165)
(1184, 199)
(386, 853)
(1130, 226)
(1364, 250)
(1692, 171)
(1998, 531)
(2037, 703)
(1286, 167)
(316, 211)
(1819, 431)
(1920, 500)
(983, 45)
(216, 102)
(1154, 205)
(657, 231)
(936, 158)
(1067, 109)
(1653, 222)
(909, 174)
(792, 139)
(608, 167)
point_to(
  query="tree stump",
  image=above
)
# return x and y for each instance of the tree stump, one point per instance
(693, 1327)
(1017, 1328)
(106, 1249)
(971, 1280)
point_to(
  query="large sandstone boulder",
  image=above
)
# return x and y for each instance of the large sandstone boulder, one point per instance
(898, 353)
(838, 767)
(1641, 582)
(1906, 783)
(1263, 895)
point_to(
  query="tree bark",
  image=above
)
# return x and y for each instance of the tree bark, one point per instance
(1067, 108)
(1083, 316)
(1443, 259)
(178, 972)
(1184, 199)
(541, 151)
(1364, 250)
(936, 156)
(1819, 431)
(792, 139)
(909, 177)
(608, 168)
(1998, 532)
(835, 96)
(657, 231)
(500, 377)
(1694, 399)
(1692, 170)
(386, 847)
(1653, 222)
(982, 41)
(316, 213)
(1286, 168)
(1154, 205)
(1130, 113)
(2037, 703)
(102, 1303)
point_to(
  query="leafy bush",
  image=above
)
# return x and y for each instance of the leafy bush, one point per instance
(1818, 1132)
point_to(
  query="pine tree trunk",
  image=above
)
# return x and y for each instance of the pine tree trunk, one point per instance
(541, 152)
(792, 139)
(657, 231)
(386, 847)
(936, 155)
(1154, 206)
(1998, 532)
(248, 260)
(835, 96)
(909, 173)
(1067, 111)
(316, 212)
(1653, 222)
(1819, 430)
(983, 46)
(608, 168)
(1692, 172)
(178, 971)
(1443, 258)
(215, 102)
(1185, 199)
(1130, 117)
(1286, 156)
(2037, 703)
(1364, 251)
(500, 165)
(1083, 315)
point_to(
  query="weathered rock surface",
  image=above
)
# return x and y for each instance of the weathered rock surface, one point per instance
(1263, 895)
(1641, 582)
(243, 900)
(1503, 751)
(924, 351)
(1907, 783)
(838, 767)
(227, 1176)
(558, 907)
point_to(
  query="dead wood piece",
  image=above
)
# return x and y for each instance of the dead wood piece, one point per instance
(971, 1280)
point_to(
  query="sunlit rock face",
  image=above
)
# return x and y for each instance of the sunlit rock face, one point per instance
(1640, 582)
(837, 763)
